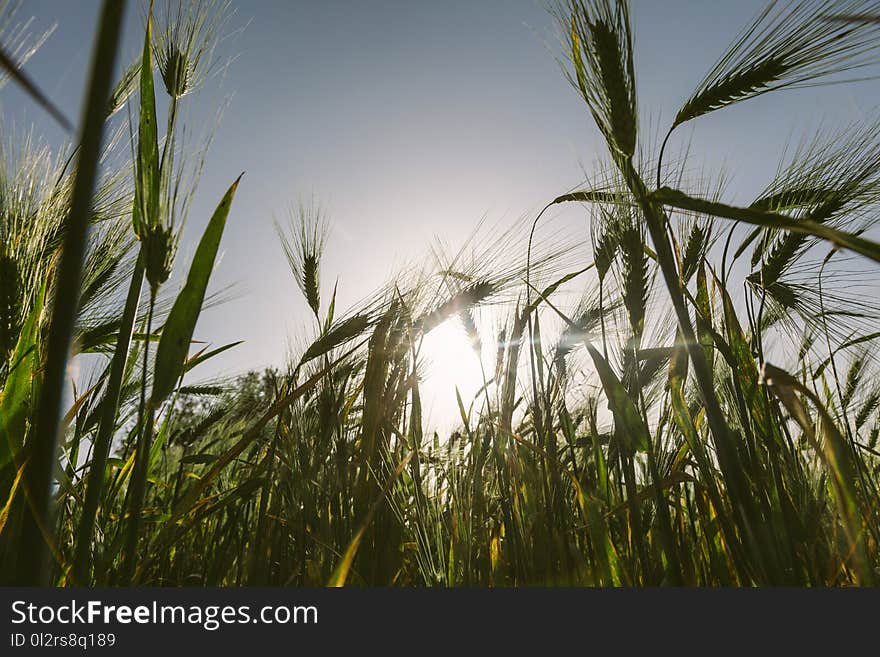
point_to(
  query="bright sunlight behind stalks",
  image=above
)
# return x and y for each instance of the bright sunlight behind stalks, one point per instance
(451, 362)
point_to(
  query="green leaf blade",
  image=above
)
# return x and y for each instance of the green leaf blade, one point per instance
(178, 331)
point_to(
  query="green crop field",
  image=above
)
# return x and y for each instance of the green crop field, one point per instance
(729, 436)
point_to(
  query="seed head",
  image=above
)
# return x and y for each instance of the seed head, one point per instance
(160, 246)
(185, 45)
(178, 72)
(303, 244)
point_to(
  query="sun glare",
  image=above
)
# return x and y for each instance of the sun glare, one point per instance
(449, 361)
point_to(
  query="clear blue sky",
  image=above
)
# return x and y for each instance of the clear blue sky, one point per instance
(411, 119)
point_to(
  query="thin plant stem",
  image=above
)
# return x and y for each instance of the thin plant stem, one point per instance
(106, 426)
(141, 461)
(38, 474)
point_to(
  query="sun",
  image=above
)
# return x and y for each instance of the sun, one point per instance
(449, 360)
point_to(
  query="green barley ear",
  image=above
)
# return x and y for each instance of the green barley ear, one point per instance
(186, 43)
(336, 335)
(586, 321)
(500, 349)
(471, 329)
(124, 88)
(789, 44)
(634, 275)
(177, 72)
(600, 42)
(831, 179)
(159, 247)
(604, 252)
(875, 433)
(462, 300)
(694, 250)
(304, 246)
(867, 408)
(605, 234)
(854, 378)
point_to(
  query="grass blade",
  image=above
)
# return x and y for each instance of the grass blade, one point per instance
(839, 238)
(340, 574)
(16, 398)
(178, 331)
(41, 452)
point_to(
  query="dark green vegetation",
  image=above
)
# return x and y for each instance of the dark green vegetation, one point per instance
(739, 444)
